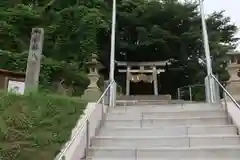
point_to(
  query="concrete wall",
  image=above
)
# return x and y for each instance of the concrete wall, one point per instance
(74, 149)
(234, 112)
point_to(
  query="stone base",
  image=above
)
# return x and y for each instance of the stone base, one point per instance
(91, 94)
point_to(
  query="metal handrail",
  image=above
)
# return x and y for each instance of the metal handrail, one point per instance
(103, 94)
(225, 91)
(69, 144)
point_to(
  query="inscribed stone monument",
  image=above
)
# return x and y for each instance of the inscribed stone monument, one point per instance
(34, 60)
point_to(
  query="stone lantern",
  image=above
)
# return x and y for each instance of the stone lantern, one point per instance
(233, 69)
(93, 92)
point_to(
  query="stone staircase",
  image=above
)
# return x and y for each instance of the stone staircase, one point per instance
(166, 132)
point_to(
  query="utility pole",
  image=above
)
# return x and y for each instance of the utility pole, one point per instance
(34, 60)
(112, 56)
(209, 82)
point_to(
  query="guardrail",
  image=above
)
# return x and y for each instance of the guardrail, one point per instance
(225, 92)
(119, 89)
(89, 126)
(189, 90)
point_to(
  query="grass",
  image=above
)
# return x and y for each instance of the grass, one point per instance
(34, 127)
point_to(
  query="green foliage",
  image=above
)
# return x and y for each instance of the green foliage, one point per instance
(153, 30)
(36, 125)
(71, 29)
(146, 31)
(51, 70)
(161, 30)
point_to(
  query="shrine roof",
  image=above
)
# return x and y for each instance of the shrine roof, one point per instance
(157, 63)
(7, 72)
(233, 53)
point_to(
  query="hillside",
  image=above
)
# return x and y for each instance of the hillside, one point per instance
(35, 127)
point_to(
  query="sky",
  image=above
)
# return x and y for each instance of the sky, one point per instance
(231, 8)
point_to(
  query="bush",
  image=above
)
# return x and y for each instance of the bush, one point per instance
(36, 126)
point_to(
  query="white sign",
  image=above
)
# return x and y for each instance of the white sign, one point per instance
(16, 87)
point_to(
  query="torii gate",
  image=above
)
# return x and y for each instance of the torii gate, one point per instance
(137, 71)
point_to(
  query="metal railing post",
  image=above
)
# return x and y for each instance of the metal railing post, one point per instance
(102, 110)
(210, 89)
(190, 93)
(226, 108)
(87, 139)
(112, 96)
(179, 93)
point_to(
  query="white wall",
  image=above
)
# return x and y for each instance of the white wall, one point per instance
(234, 112)
(76, 150)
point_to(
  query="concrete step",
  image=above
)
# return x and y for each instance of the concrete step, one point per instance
(163, 108)
(170, 130)
(152, 115)
(181, 159)
(150, 102)
(142, 102)
(144, 97)
(151, 142)
(209, 152)
(95, 158)
(185, 159)
(222, 120)
(187, 105)
(160, 159)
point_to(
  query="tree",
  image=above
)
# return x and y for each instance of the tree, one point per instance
(71, 30)
(71, 27)
(161, 30)
(146, 31)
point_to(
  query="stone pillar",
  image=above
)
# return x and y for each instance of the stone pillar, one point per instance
(155, 82)
(128, 81)
(34, 60)
(92, 93)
